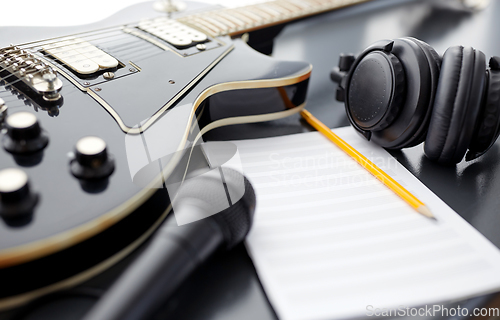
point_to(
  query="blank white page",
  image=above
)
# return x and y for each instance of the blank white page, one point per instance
(329, 239)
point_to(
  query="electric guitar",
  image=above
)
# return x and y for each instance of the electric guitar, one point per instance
(96, 120)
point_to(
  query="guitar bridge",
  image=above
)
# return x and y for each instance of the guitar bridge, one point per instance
(20, 65)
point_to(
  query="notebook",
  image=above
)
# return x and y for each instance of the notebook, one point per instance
(330, 241)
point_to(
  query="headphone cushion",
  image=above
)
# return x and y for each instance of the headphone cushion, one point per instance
(488, 127)
(433, 53)
(421, 66)
(435, 66)
(456, 105)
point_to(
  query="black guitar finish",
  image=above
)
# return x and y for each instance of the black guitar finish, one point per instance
(79, 227)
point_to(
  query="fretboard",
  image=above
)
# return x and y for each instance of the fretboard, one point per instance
(234, 21)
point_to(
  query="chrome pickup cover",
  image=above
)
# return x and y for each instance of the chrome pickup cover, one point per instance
(173, 32)
(80, 55)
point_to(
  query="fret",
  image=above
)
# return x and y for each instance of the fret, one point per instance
(213, 30)
(318, 4)
(248, 22)
(303, 5)
(280, 13)
(224, 28)
(278, 7)
(244, 19)
(237, 22)
(264, 16)
(225, 21)
(266, 8)
(294, 9)
(254, 17)
(312, 3)
(289, 5)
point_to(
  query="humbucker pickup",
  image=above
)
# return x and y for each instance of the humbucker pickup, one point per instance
(173, 32)
(80, 55)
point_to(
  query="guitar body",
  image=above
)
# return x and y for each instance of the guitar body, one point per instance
(146, 114)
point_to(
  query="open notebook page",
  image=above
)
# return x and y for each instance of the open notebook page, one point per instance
(329, 240)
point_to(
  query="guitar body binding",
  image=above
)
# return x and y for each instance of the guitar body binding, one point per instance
(78, 227)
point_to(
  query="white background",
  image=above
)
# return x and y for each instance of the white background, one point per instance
(72, 12)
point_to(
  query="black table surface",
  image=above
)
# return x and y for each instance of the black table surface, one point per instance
(227, 286)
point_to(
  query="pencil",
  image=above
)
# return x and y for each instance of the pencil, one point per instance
(392, 184)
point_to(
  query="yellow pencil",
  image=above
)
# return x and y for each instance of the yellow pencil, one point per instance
(392, 184)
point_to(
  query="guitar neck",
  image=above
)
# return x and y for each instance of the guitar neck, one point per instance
(235, 21)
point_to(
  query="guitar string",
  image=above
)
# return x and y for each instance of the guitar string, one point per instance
(133, 24)
(20, 103)
(118, 33)
(48, 55)
(91, 34)
(110, 52)
(141, 48)
(135, 52)
(105, 30)
(44, 56)
(117, 37)
(86, 33)
(315, 3)
(33, 105)
(67, 92)
(131, 45)
(85, 36)
(17, 101)
(263, 19)
(60, 39)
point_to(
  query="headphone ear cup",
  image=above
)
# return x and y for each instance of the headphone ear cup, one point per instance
(421, 68)
(435, 66)
(430, 51)
(456, 105)
(488, 125)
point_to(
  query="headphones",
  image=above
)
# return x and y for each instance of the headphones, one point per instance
(399, 93)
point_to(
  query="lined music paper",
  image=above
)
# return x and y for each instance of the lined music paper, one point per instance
(329, 240)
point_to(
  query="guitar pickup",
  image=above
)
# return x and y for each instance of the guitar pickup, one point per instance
(81, 56)
(173, 32)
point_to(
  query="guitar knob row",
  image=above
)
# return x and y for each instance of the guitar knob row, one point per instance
(16, 198)
(25, 136)
(91, 162)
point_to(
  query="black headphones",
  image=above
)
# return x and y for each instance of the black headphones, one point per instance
(400, 92)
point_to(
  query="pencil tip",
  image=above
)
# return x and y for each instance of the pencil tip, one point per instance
(426, 212)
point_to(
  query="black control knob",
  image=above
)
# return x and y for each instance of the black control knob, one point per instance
(92, 160)
(24, 134)
(16, 198)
